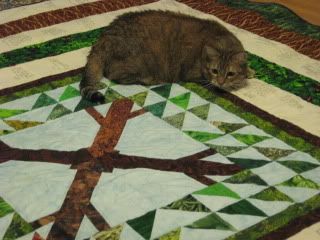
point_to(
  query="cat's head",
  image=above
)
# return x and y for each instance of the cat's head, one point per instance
(226, 70)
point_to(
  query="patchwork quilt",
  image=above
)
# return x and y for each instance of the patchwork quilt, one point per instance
(166, 162)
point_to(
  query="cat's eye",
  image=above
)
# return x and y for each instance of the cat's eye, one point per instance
(215, 71)
(231, 74)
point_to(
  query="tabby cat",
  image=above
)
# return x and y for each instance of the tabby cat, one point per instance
(154, 47)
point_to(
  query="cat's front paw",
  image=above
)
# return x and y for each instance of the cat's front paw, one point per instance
(98, 97)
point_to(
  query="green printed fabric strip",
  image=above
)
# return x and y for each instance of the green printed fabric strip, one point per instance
(278, 15)
(281, 77)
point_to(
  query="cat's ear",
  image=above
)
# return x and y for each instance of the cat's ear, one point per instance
(240, 57)
(210, 53)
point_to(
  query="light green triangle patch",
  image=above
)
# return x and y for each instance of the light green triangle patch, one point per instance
(202, 136)
(244, 208)
(173, 235)
(69, 92)
(4, 132)
(43, 100)
(249, 139)
(5, 208)
(181, 100)
(225, 150)
(58, 111)
(5, 113)
(111, 95)
(212, 221)
(218, 189)
(163, 90)
(176, 120)
(274, 153)
(201, 111)
(143, 225)
(245, 176)
(298, 166)
(272, 194)
(189, 204)
(299, 181)
(228, 127)
(139, 98)
(17, 228)
(113, 233)
(19, 125)
(157, 109)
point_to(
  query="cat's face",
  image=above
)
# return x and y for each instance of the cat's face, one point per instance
(224, 70)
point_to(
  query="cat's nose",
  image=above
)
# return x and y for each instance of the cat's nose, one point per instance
(220, 81)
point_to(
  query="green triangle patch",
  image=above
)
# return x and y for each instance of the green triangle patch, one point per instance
(69, 92)
(272, 194)
(299, 181)
(83, 104)
(18, 227)
(157, 109)
(248, 163)
(5, 208)
(43, 100)
(212, 221)
(228, 127)
(4, 132)
(181, 100)
(225, 150)
(188, 203)
(173, 235)
(201, 111)
(249, 139)
(202, 136)
(58, 111)
(298, 166)
(274, 153)
(139, 98)
(5, 113)
(218, 189)
(244, 208)
(246, 176)
(176, 120)
(111, 95)
(19, 125)
(143, 225)
(163, 90)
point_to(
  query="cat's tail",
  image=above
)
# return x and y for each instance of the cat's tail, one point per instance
(92, 75)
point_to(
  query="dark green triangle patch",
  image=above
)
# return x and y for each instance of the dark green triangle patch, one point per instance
(225, 150)
(228, 127)
(201, 111)
(163, 90)
(143, 225)
(299, 181)
(176, 120)
(5, 113)
(5, 208)
(58, 111)
(18, 227)
(69, 92)
(298, 166)
(212, 221)
(43, 100)
(244, 208)
(139, 98)
(202, 136)
(157, 109)
(274, 153)
(248, 163)
(272, 194)
(218, 189)
(249, 139)
(181, 100)
(246, 176)
(83, 104)
(188, 203)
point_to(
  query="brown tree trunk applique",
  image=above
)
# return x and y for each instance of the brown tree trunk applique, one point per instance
(102, 157)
